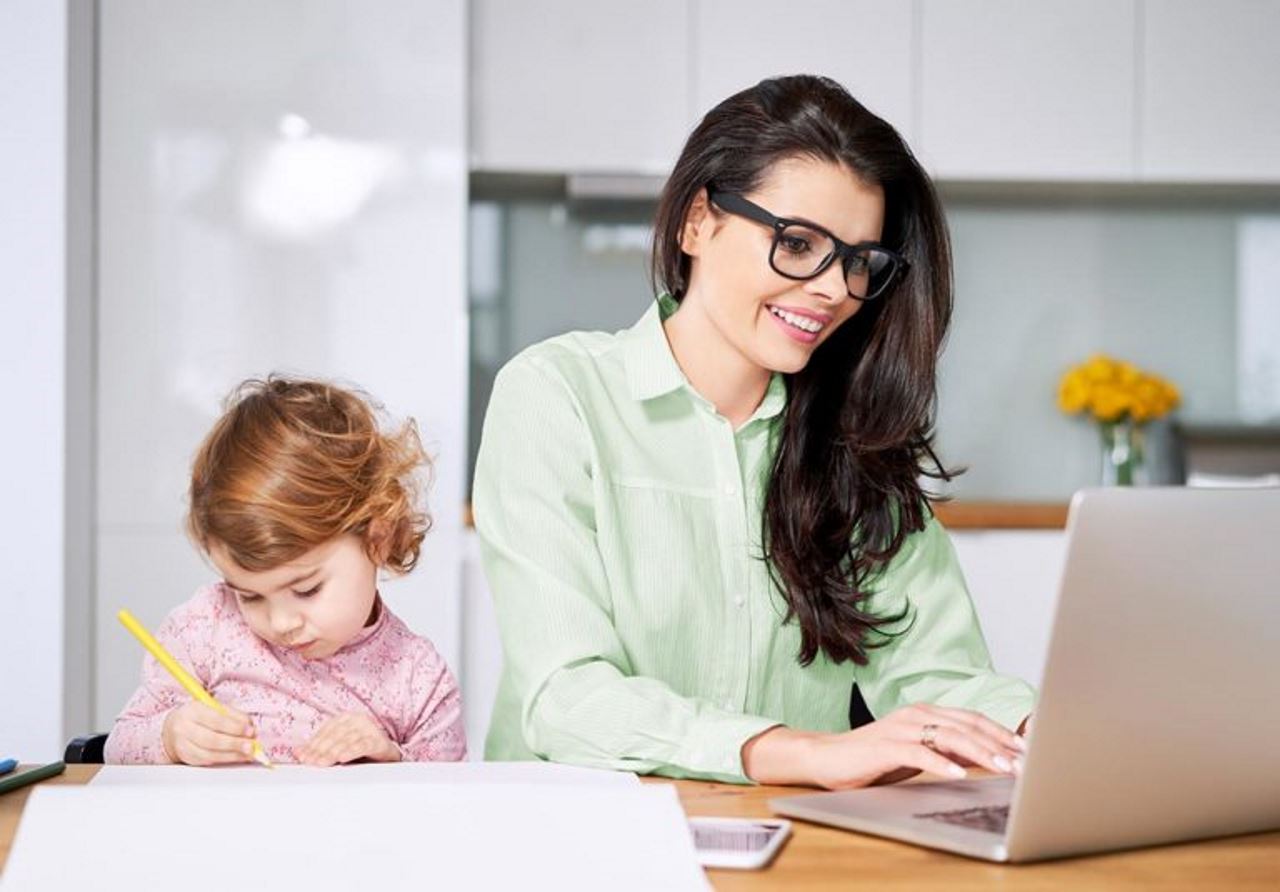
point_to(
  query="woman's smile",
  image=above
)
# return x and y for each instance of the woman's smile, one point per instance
(801, 325)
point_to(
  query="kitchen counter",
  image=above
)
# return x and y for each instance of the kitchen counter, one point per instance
(971, 515)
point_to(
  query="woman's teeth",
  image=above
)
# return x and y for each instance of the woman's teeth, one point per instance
(804, 323)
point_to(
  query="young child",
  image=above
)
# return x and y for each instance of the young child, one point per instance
(298, 499)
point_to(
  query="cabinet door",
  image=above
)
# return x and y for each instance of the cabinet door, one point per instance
(1013, 577)
(1209, 104)
(1035, 91)
(863, 44)
(574, 85)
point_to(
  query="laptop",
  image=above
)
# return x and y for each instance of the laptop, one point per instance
(1159, 715)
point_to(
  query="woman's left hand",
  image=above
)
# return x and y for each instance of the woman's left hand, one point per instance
(345, 738)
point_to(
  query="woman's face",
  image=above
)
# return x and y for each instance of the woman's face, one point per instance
(774, 322)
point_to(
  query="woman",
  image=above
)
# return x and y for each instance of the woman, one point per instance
(700, 532)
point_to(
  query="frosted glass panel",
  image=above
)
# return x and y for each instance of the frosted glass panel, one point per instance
(282, 188)
(1039, 288)
(1040, 284)
(1258, 329)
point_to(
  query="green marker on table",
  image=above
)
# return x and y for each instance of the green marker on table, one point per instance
(22, 778)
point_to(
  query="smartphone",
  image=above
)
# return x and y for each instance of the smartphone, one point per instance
(738, 843)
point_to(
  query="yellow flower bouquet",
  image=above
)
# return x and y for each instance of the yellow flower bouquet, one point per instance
(1121, 398)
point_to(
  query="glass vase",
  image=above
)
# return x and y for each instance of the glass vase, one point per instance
(1123, 460)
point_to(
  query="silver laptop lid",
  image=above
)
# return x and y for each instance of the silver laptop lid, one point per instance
(1159, 714)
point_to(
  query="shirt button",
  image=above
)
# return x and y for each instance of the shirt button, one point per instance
(730, 489)
(739, 600)
(728, 706)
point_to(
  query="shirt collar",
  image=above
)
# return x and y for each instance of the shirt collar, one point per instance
(652, 370)
(775, 399)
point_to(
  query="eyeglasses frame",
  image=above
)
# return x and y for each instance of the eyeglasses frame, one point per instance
(734, 203)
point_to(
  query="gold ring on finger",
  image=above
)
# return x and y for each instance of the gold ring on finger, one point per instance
(929, 736)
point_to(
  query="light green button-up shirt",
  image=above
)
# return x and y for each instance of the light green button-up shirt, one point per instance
(620, 521)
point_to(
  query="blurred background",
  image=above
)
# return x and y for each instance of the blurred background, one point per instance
(403, 194)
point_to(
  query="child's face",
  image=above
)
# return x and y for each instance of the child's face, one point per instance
(313, 605)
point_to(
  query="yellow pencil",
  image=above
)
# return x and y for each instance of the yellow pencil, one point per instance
(183, 677)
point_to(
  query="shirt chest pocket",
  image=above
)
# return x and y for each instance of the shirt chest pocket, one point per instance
(661, 547)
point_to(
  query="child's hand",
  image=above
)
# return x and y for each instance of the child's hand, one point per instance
(347, 737)
(196, 734)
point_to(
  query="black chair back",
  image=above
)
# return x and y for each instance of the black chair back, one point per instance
(85, 750)
(859, 715)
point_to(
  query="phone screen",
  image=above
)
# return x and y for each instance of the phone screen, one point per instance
(747, 838)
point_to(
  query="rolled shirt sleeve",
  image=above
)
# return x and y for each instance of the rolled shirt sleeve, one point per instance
(938, 655)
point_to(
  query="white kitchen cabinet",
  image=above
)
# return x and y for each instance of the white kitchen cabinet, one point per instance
(1028, 91)
(984, 90)
(1209, 110)
(1013, 577)
(866, 45)
(578, 86)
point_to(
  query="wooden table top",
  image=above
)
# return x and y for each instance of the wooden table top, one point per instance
(819, 858)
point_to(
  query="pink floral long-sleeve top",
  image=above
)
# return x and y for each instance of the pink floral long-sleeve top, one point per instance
(387, 673)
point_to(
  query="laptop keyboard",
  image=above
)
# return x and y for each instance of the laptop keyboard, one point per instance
(991, 818)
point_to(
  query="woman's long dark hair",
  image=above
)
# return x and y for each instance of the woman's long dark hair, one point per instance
(856, 438)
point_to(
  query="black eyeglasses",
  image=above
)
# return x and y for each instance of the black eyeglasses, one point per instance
(804, 250)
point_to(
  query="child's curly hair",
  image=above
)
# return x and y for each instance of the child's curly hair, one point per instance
(294, 463)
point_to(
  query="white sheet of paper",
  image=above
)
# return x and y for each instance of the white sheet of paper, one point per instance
(392, 773)
(366, 836)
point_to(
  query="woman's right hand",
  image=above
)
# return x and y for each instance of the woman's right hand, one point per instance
(884, 751)
(196, 734)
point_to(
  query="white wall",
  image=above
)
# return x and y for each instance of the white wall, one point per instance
(41, 613)
(283, 187)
